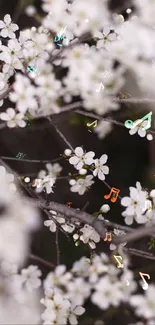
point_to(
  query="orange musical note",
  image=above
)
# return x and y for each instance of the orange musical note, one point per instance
(115, 192)
(119, 265)
(145, 286)
(68, 204)
(108, 234)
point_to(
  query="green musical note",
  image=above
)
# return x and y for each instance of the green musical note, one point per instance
(130, 124)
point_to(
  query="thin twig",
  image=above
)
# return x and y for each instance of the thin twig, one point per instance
(42, 261)
(97, 117)
(137, 234)
(63, 109)
(137, 252)
(61, 135)
(57, 245)
(31, 161)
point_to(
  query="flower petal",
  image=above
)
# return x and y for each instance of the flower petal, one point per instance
(11, 112)
(129, 220)
(7, 19)
(126, 201)
(79, 310)
(133, 131)
(2, 25)
(142, 132)
(79, 151)
(4, 117)
(73, 160)
(103, 159)
(4, 33)
(101, 176)
(105, 170)
(79, 165)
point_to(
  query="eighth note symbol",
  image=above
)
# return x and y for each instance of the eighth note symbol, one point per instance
(145, 286)
(97, 90)
(130, 124)
(108, 234)
(119, 265)
(115, 192)
(94, 124)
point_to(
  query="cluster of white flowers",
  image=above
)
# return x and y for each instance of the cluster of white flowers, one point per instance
(114, 43)
(66, 292)
(137, 205)
(46, 179)
(16, 225)
(80, 159)
(129, 43)
(140, 129)
(67, 226)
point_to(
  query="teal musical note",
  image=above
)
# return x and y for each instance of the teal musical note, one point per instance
(130, 124)
(58, 38)
(31, 69)
(147, 117)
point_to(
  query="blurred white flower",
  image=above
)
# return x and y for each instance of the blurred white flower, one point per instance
(7, 28)
(75, 311)
(30, 11)
(12, 118)
(117, 232)
(105, 208)
(30, 277)
(89, 235)
(105, 37)
(82, 184)
(107, 293)
(144, 304)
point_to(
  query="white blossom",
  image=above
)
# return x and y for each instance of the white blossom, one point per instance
(100, 169)
(7, 28)
(89, 235)
(140, 129)
(134, 205)
(75, 311)
(30, 277)
(107, 293)
(12, 118)
(82, 184)
(79, 159)
(144, 305)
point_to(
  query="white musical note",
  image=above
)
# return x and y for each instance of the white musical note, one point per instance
(101, 85)
(145, 286)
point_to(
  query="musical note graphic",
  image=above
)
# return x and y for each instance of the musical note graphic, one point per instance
(62, 31)
(68, 204)
(119, 265)
(148, 206)
(59, 37)
(20, 155)
(90, 124)
(31, 69)
(101, 84)
(145, 286)
(114, 191)
(108, 234)
(130, 124)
